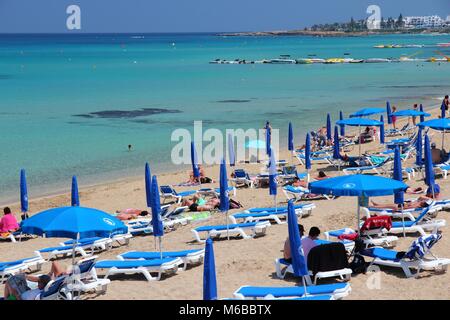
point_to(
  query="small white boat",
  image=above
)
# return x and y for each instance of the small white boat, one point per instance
(282, 61)
(376, 60)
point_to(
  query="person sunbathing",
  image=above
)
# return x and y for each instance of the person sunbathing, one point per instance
(198, 204)
(421, 202)
(129, 214)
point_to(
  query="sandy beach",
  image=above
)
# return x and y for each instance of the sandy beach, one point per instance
(241, 262)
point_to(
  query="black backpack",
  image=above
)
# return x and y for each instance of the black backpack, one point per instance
(358, 264)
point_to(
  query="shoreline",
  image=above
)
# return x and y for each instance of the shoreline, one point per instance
(331, 34)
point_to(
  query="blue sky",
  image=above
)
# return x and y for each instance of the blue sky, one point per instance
(198, 15)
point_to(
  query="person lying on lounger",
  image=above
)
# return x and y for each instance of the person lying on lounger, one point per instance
(421, 202)
(129, 214)
(198, 203)
(16, 287)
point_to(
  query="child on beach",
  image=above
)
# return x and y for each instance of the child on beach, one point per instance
(394, 118)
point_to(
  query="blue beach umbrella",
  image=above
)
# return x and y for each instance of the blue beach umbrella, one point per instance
(298, 258)
(357, 185)
(290, 138)
(382, 137)
(422, 118)
(308, 152)
(419, 161)
(329, 134)
(398, 175)
(268, 143)
(388, 112)
(73, 223)
(437, 124)
(366, 112)
(23, 192)
(209, 273)
(443, 110)
(231, 153)
(75, 198)
(148, 186)
(194, 161)
(429, 172)
(336, 148)
(341, 117)
(223, 187)
(157, 224)
(273, 176)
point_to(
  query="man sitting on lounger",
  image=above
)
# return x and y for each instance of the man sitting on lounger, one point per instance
(197, 203)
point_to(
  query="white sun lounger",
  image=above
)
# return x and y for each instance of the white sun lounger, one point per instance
(85, 248)
(338, 291)
(144, 267)
(256, 228)
(421, 224)
(299, 193)
(375, 237)
(276, 216)
(432, 211)
(168, 192)
(10, 268)
(189, 257)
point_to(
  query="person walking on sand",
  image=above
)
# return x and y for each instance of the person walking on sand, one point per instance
(446, 102)
(415, 108)
(394, 118)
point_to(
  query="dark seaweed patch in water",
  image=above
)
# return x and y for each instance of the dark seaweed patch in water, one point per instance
(413, 86)
(234, 101)
(126, 114)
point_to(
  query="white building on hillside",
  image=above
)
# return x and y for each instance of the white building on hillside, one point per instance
(420, 22)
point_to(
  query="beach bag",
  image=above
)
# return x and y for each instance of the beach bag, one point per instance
(358, 264)
(206, 180)
(235, 204)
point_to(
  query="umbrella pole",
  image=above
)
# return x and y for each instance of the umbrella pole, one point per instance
(443, 137)
(403, 220)
(275, 202)
(74, 245)
(304, 286)
(359, 213)
(160, 247)
(228, 228)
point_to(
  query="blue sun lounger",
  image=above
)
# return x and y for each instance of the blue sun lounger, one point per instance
(338, 291)
(271, 214)
(297, 207)
(168, 192)
(189, 257)
(84, 248)
(257, 229)
(144, 267)
(10, 268)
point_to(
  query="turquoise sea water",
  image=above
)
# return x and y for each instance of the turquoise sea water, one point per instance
(47, 79)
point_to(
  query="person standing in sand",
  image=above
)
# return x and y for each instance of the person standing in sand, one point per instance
(394, 118)
(415, 108)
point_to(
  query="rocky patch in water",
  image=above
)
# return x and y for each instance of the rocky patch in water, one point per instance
(126, 114)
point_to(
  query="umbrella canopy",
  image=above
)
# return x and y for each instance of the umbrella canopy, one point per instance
(336, 149)
(194, 161)
(73, 222)
(411, 113)
(366, 112)
(382, 137)
(341, 117)
(290, 138)
(429, 172)
(298, 258)
(329, 134)
(157, 224)
(255, 144)
(388, 112)
(23, 192)
(148, 186)
(422, 118)
(436, 124)
(398, 175)
(224, 201)
(419, 161)
(272, 174)
(443, 110)
(231, 153)
(357, 185)
(268, 143)
(359, 122)
(307, 152)
(209, 273)
(74, 196)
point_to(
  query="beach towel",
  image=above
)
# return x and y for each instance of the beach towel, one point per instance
(377, 222)
(421, 246)
(327, 257)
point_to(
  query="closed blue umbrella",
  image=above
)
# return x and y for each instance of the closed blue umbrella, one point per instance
(307, 152)
(23, 192)
(357, 185)
(336, 148)
(273, 175)
(382, 137)
(419, 161)
(329, 134)
(148, 186)
(224, 201)
(75, 198)
(398, 175)
(268, 142)
(298, 258)
(290, 138)
(341, 117)
(422, 117)
(194, 161)
(443, 110)
(389, 112)
(366, 112)
(231, 153)
(157, 224)
(429, 173)
(209, 273)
